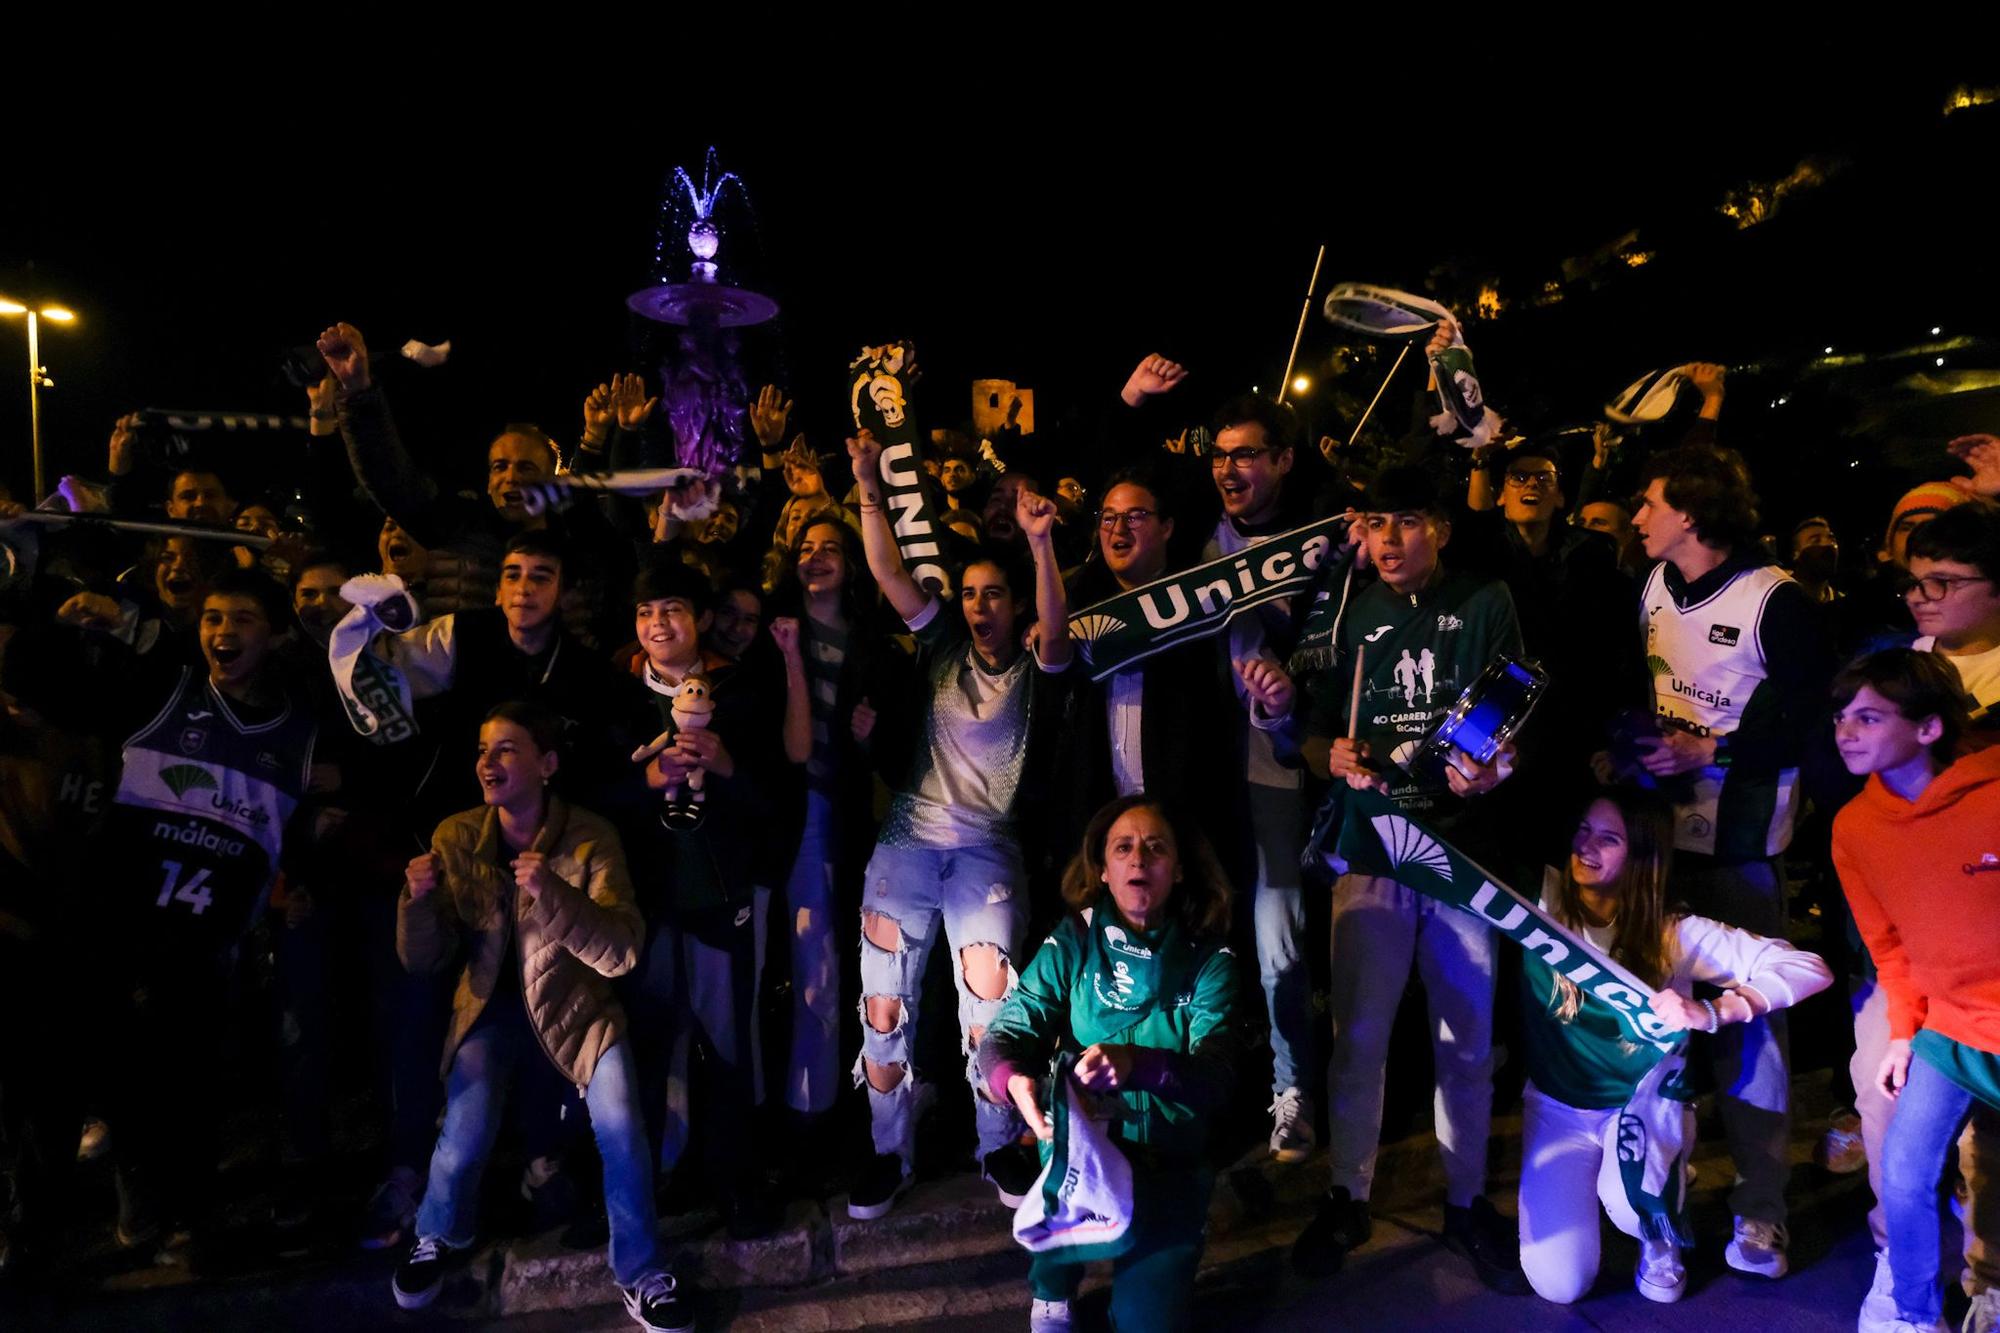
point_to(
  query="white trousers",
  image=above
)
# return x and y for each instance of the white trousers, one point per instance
(1569, 1167)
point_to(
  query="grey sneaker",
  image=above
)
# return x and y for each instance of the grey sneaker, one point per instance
(1758, 1248)
(1292, 1137)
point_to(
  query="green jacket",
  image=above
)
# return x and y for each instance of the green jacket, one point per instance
(1094, 982)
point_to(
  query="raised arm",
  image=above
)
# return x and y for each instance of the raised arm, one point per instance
(399, 488)
(1036, 516)
(885, 562)
(798, 696)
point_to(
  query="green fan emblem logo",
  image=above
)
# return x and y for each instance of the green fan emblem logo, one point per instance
(184, 778)
(1658, 665)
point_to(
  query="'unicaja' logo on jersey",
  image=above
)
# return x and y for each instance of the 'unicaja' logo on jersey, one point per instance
(184, 778)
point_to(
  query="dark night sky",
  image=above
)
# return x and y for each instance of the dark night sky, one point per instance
(1054, 245)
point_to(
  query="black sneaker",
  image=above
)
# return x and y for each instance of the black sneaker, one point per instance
(881, 1182)
(658, 1305)
(1341, 1224)
(419, 1276)
(1489, 1242)
(1013, 1171)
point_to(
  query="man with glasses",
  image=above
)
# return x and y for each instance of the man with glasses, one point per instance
(1255, 443)
(1167, 725)
(1739, 663)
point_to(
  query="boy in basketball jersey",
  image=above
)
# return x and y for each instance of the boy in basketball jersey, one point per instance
(206, 797)
(1738, 659)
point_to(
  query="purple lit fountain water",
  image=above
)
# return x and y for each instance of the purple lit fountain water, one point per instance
(702, 388)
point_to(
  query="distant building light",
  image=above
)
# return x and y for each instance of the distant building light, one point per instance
(1936, 329)
(1964, 98)
(1940, 360)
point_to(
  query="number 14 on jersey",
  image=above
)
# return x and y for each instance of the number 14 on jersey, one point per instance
(194, 892)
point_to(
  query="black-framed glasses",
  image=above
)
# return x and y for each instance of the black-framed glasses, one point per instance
(1524, 479)
(1131, 518)
(1224, 459)
(1937, 587)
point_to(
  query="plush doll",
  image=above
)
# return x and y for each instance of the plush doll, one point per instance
(692, 710)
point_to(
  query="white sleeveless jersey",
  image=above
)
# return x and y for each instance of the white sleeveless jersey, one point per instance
(1706, 661)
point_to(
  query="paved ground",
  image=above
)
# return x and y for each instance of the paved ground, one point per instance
(1402, 1280)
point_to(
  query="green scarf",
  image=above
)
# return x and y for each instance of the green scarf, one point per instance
(1376, 838)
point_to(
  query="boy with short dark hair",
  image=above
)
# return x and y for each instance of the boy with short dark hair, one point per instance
(1918, 854)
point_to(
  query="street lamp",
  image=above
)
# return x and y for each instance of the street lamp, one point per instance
(38, 375)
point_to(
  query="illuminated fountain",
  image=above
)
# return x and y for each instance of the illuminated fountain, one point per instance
(702, 388)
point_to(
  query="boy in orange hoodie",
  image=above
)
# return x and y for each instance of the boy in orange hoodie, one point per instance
(1919, 857)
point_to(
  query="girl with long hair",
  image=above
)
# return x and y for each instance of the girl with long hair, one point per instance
(1589, 1084)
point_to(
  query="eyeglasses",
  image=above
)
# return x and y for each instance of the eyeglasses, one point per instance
(1524, 480)
(1937, 587)
(1224, 459)
(1131, 518)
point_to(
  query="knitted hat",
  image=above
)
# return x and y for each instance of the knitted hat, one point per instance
(1931, 497)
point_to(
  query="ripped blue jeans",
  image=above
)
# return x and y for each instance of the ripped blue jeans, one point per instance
(979, 894)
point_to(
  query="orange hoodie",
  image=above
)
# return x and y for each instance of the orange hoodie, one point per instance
(1923, 880)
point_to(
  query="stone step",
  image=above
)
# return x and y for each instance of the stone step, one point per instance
(954, 1223)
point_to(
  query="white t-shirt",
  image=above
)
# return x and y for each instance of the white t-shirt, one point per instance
(1979, 671)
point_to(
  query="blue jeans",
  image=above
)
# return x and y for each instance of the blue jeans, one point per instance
(475, 1095)
(1278, 819)
(979, 895)
(813, 1072)
(1929, 1114)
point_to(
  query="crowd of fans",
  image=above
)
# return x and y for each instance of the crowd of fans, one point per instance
(661, 833)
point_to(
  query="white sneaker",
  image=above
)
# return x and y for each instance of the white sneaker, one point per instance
(1878, 1307)
(1661, 1276)
(1048, 1317)
(1758, 1248)
(1984, 1316)
(1292, 1137)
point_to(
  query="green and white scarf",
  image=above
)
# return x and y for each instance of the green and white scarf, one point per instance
(1377, 838)
(1199, 602)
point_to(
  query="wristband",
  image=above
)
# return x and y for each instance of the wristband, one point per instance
(1714, 1014)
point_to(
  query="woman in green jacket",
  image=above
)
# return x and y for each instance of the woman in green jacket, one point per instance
(1139, 982)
